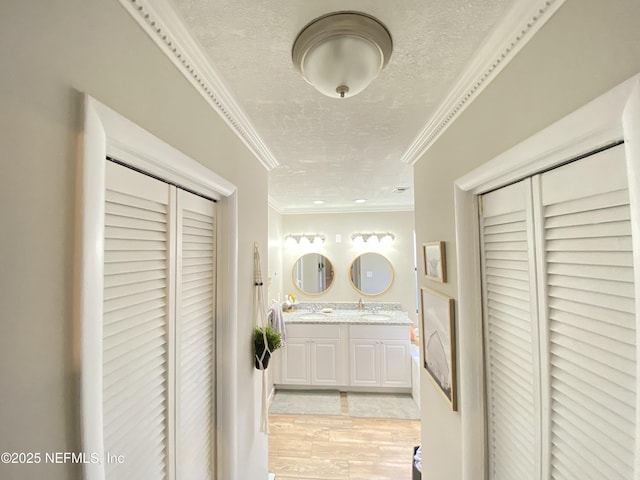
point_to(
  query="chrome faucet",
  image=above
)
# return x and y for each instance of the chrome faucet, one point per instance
(360, 305)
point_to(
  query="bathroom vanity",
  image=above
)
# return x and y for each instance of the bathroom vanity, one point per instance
(346, 348)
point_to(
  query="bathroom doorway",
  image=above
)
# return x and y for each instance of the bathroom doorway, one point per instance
(338, 444)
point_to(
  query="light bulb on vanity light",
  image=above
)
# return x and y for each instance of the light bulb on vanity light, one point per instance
(304, 241)
(387, 239)
(290, 241)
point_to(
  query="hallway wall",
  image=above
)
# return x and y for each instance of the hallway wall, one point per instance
(50, 52)
(588, 47)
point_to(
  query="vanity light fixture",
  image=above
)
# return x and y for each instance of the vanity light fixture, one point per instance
(304, 239)
(341, 53)
(387, 239)
(372, 238)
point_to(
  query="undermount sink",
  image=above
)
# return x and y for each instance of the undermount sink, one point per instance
(374, 316)
(313, 316)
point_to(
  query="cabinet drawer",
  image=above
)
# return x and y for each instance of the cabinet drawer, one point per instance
(379, 332)
(311, 330)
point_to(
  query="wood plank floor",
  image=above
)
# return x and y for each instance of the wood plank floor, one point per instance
(313, 447)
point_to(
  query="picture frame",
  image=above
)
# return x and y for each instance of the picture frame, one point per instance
(439, 342)
(434, 261)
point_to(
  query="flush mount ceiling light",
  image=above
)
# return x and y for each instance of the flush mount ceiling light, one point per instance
(341, 53)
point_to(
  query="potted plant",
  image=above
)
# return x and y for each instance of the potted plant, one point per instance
(274, 341)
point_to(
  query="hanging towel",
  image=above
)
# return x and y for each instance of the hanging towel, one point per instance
(275, 317)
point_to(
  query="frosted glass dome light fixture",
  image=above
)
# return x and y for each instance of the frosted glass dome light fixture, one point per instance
(341, 53)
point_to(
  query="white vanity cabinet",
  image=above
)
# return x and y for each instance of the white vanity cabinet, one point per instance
(379, 356)
(296, 362)
(314, 355)
(347, 355)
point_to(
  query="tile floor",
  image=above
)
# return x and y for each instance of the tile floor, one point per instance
(317, 447)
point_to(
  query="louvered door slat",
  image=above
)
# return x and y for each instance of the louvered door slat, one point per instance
(118, 326)
(140, 225)
(202, 308)
(591, 318)
(621, 332)
(135, 205)
(585, 284)
(133, 277)
(134, 267)
(196, 338)
(588, 297)
(602, 216)
(118, 233)
(512, 394)
(133, 256)
(122, 423)
(135, 324)
(515, 323)
(617, 259)
(127, 288)
(608, 229)
(596, 272)
(515, 313)
(590, 311)
(517, 396)
(499, 300)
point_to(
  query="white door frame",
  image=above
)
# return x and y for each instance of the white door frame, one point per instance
(598, 124)
(106, 133)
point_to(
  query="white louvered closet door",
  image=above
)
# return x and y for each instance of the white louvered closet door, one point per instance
(511, 338)
(560, 324)
(136, 408)
(158, 330)
(195, 333)
(586, 252)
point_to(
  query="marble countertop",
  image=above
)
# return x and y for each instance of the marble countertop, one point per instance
(354, 317)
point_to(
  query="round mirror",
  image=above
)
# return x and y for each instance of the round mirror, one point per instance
(371, 274)
(313, 274)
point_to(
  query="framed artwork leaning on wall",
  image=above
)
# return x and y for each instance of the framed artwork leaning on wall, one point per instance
(439, 342)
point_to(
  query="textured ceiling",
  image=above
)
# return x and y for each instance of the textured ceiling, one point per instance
(331, 149)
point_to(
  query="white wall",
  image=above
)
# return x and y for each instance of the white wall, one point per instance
(588, 47)
(50, 52)
(276, 235)
(275, 276)
(399, 253)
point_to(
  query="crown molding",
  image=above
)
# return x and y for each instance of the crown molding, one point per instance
(281, 209)
(337, 210)
(345, 209)
(514, 31)
(274, 205)
(160, 21)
